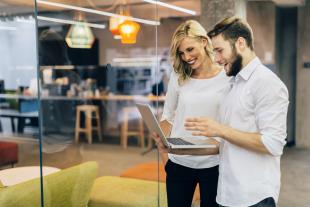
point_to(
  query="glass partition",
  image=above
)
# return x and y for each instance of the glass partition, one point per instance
(71, 75)
(19, 111)
(97, 59)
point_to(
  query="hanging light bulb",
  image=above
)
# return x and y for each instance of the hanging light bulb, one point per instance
(129, 31)
(80, 35)
(114, 22)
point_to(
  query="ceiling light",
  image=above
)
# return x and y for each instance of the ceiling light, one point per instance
(64, 21)
(140, 59)
(93, 11)
(171, 6)
(80, 36)
(129, 31)
(117, 37)
(114, 22)
(8, 28)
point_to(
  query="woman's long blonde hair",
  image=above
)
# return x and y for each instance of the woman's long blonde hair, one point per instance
(193, 29)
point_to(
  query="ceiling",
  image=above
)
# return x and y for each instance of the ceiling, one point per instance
(138, 8)
(285, 3)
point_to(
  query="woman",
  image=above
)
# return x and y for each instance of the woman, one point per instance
(195, 89)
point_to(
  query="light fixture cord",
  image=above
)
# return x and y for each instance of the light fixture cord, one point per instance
(112, 7)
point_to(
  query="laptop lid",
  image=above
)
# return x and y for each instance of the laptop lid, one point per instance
(153, 125)
(151, 121)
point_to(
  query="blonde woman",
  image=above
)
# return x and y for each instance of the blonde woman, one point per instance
(195, 89)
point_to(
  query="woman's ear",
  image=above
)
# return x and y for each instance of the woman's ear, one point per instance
(205, 43)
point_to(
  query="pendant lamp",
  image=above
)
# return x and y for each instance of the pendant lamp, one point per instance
(114, 22)
(80, 35)
(129, 31)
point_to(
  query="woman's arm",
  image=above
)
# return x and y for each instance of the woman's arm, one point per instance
(166, 128)
(170, 106)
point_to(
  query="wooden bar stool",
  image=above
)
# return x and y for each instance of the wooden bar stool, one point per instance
(125, 133)
(88, 110)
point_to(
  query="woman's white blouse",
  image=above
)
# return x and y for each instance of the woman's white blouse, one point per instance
(197, 97)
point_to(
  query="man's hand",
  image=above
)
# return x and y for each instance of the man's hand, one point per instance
(204, 127)
(207, 127)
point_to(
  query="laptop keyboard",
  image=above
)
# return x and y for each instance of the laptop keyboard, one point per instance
(178, 141)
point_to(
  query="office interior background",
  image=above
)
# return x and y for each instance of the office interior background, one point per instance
(71, 72)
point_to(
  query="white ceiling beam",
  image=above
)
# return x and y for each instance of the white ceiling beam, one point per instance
(289, 2)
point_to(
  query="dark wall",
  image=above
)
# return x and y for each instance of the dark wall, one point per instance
(286, 48)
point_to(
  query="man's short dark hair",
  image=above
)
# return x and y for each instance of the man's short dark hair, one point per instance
(232, 28)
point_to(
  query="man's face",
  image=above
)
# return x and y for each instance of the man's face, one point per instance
(227, 55)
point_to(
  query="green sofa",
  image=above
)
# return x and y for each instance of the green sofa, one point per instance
(67, 188)
(112, 191)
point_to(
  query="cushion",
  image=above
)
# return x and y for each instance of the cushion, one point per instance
(66, 188)
(110, 191)
(146, 171)
(149, 171)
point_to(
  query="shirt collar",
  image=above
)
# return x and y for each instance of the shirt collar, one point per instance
(247, 71)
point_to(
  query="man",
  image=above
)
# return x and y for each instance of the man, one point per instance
(252, 121)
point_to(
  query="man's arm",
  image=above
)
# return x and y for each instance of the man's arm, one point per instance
(270, 117)
(251, 141)
(210, 128)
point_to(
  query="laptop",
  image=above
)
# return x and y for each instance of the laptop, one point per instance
(170, 142)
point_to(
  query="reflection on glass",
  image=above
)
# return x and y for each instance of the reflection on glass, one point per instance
(88, 101)
(19, 128)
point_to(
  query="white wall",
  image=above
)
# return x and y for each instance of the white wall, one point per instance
(17, 52)
(303, 78)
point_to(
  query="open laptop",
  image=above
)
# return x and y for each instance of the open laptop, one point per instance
(171, 142)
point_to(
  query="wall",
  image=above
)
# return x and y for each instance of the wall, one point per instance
(303, 78)
(17, 56)
(261, 17)
(257, 13)
(286, 48)
(146, 41)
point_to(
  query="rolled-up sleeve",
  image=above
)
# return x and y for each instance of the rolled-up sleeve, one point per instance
(171, 100)
(271, 116)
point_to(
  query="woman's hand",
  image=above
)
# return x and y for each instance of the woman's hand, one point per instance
(160, 145)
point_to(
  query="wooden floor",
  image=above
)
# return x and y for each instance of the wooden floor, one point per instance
(113, 159)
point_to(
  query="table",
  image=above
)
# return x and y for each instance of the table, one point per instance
(21, 116)
(106, 98)
(13, 176)
(110, 97)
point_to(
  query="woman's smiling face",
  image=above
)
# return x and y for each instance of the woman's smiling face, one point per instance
(193, 52)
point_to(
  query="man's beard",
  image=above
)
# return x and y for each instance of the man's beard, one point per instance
(236, 65)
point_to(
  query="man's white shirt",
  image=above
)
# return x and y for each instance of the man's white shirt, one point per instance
(258, 103)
